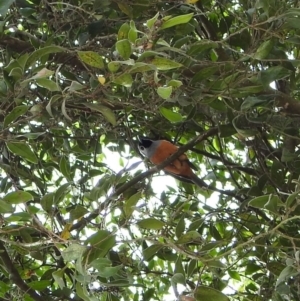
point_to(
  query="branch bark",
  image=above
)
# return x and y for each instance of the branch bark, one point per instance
(15, 276)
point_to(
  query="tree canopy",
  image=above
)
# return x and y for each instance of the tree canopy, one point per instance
(83, 217)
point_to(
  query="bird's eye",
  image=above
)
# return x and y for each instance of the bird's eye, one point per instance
(142, 148)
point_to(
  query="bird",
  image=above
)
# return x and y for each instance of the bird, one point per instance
(157, 151)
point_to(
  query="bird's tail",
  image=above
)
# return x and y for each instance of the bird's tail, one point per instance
(199, 182)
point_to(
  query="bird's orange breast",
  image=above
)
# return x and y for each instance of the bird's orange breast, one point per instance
(179, 166)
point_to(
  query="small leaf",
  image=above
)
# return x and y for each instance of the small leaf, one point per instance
(251, 102)
(77, 213)
(123, 31)
(61, 192)
(175, 83)
(6, 207)
(164, 92)
(264, 49)
(75, 86)
(272, 74)
(53, 99)
(130, 203)
(177, 20)
(47, 201)
(64, 167)
(151, 224)
(164, 64)
(105, 111)
(170, 115)
(48, 84)
(178, 278)
(150, 23)
(58, 276)
(124, 48)
(205, 293)
(64, 111)
(18, 197)
(14, 114)
(149, 252)
(132, 34)
(91, 58)
(73, 252)
(191, 236)
(36, 55)
(124, 80)
(141, 67)
(4, 6)
(39, 285)
(113, 66)
(105, 268)
(286, 273)
(204, 74)
(22, 150)
(42, 74)
(102, 242)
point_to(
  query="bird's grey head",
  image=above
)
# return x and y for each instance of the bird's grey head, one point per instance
(147, 146)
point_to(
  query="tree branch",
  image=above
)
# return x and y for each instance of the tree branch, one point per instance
(15, 276)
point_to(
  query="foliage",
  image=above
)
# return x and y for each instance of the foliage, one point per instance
(79, 78)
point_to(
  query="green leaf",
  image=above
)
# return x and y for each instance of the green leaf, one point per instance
(130, 203)
(124, 48)
(180, 227)
(175, 83)
(77, 213)
(205, 293)
(27, 11)
(149, 252)
(124, 80)
(4, 6)
(164, 92)
(250, 102)
(47, 201)
(14, 114)
(151, 224)
(81, 291)
(102, 240)
(6, 207)
(204, 74)
(286, 273)
(23, 150)
(59, 278)
(48, 84)
(61, 192)
(178, 278)
(39, 285)
(176, 21)
(132, 34)
(272, 74)
(123, 31)
(263, 50)
(191, 236)
(36, 55)
(64, 168)
(18, 197)
(113, 66)
(91, 58)
(164, 64)
(170, 115)
(105, 268)
(73, 252)
(105, 111)
(150, 23)
(141, 67)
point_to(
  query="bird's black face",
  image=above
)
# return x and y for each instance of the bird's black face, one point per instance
(144, 144)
